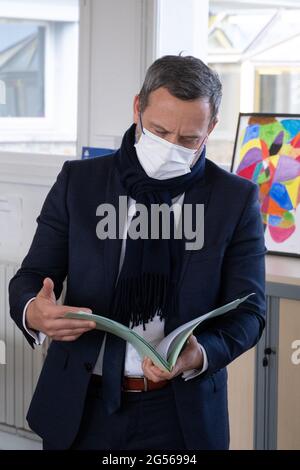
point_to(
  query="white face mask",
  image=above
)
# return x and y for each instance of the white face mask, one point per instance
(162, 160)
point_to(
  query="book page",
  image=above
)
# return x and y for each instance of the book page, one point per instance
(172, 344)
(167, 351)
(138, 342)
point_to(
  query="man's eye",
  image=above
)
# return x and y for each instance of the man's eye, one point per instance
(162, 133)
(192, 140)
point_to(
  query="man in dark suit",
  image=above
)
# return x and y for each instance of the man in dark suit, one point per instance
(84, 399)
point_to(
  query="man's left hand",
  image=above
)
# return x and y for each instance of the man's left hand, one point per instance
(191, 357)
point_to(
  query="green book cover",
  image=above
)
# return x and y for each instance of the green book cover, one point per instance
(165, 354)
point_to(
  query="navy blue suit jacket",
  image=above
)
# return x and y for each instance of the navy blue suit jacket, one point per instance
(230, 265)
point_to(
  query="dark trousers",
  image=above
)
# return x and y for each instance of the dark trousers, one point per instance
(145, 421)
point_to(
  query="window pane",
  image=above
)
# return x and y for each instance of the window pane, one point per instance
(39, 76)
(279, 91)
(260, 40)
(235, 32)
(220, 144)
(22, 51)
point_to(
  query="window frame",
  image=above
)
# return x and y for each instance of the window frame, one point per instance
(42, 127)
(42, 122)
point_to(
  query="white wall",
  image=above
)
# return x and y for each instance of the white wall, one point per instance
(121, 45)
(24, 184)
(227, 4)
(125, 37)
(40, 9)
(183, 27)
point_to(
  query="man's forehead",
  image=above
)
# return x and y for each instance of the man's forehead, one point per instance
(167, 113)
(163, 93)
(163, 103)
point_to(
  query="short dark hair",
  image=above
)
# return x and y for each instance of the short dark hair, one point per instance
(186, 78)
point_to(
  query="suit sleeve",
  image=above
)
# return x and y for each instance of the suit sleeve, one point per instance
(48, 254)
(243, 272)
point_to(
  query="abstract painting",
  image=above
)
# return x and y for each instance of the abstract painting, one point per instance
(267, 151)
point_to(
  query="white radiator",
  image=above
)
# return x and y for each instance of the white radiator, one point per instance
(23, 365)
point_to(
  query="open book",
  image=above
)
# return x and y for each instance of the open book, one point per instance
(165, 354)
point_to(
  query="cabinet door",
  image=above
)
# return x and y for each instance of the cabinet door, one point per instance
(288, 404)
(241, 401)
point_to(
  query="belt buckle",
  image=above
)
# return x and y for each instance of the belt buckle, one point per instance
(145, 384)
(138, 377)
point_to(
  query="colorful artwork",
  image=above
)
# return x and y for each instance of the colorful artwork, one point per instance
(267, 151)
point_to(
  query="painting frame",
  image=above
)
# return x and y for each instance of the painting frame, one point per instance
(245, 121)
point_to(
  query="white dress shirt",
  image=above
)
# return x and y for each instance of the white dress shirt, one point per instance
(154, 331)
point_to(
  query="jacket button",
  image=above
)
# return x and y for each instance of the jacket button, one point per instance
(88, 366)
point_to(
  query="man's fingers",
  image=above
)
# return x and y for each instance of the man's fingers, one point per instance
(66, 338)
(58, 311)
(69, 330)
(47, 291)
(84, 309)
(192, 340)
(71, 324)
(149, 374)
(63, 309)
(72, 332)
(152, 372)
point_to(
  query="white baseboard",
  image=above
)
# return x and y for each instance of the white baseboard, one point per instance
(11, 441)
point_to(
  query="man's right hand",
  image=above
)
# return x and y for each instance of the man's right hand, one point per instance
(45, 316)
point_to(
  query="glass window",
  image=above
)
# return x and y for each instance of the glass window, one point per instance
(22, 68)
(235, 32)
(38, 76)
(278, 90)
(254, 47)
(220, 144)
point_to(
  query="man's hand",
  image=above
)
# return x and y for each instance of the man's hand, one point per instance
(45, 316)
(191, 357)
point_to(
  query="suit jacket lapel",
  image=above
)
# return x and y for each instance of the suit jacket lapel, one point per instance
(198, 194)
(112, 247)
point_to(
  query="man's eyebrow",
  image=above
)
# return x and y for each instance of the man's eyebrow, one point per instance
(158, 126)
(190, 136)
(161, 128)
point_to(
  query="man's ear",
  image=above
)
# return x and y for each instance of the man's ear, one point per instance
(213, 124)
(136, 109)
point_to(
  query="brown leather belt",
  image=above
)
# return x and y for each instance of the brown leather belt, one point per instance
(134, 384)
(142, 384)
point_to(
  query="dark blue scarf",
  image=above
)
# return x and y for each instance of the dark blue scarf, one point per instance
(147, 284)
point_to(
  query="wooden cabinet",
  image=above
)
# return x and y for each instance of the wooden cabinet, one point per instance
(264, 383)
(241, 373)
(288, 396)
